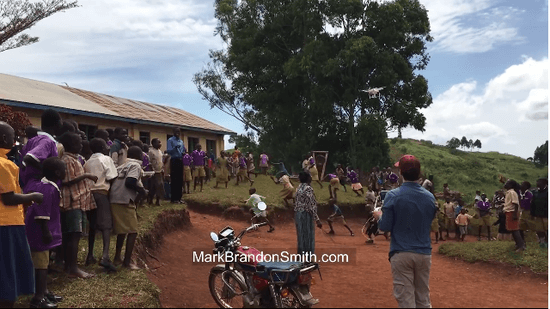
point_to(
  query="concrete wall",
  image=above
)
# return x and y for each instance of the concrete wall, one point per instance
(160, 132)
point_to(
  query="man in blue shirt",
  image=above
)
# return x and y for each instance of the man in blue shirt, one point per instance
(408, 212)
(176, 149)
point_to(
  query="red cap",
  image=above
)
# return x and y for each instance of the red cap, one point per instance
(408, 162)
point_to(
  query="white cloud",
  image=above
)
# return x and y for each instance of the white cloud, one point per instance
(483, 129)
(457, 101)
(509, 114)
(471, 26)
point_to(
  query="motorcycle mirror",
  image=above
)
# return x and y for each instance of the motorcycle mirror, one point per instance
(262, 206)
(214, 236)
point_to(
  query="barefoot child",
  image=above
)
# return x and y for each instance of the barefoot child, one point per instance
(484, 211)
(123, 194)
(222, 173)
(334, 185)
(355, 184)
(156, 183)
(462, 220)
(187, 176)
(16, 262)
(77, 199)
(43, 227)
(199, 173)
(242, 174)
(336, 214)
(287, 193)
(259, 215)
(103, 167)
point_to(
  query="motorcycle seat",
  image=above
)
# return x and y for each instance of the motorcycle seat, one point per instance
(278, 269)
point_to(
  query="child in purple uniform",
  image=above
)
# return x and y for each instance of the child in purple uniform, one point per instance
(16, 267)
(334, 185)
(43, 227)
(40, 148)
(243, 170)
(355, 184)
(187, 176)
(198, 166)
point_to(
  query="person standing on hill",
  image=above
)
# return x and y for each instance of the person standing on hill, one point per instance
(525, 197)
(511, 209)
(176, 149)
(539, 211)
(484, 211)
(408, 212)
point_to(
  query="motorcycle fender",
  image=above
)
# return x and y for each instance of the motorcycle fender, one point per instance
(304, 296)
(237, 275)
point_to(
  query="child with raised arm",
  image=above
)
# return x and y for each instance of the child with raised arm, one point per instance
(43, 228)
(336, 214)
(462, 220)
(103, 167)
(76, 200)
(16, 262)
(124, 191)
(259, 215)
(199, 161)
(342, 176)
(287, 193)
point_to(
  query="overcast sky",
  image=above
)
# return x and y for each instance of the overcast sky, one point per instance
(488, 72)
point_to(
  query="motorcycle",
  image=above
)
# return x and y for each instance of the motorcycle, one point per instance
(251, 283)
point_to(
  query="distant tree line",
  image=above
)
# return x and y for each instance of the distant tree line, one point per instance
(465, 143)
(540, 157)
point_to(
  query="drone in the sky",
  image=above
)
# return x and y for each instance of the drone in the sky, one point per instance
(374, 92)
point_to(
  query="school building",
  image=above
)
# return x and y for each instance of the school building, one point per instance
(93, 111)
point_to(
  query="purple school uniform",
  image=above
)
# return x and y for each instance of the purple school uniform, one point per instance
(330, 176)
(198, 157)
(48, 210)
(145, 162)
(525, 200)
(40, 147)
(242, 162)
(110, 143)
(187, 160)
(353, 177)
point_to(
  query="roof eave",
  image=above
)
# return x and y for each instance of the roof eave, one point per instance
(107, 116)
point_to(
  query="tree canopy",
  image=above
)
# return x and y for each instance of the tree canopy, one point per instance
(17, 16)
(295, 73)
(541, 155)
(17, 120)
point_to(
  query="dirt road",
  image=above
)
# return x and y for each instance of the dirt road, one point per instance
(366, 282)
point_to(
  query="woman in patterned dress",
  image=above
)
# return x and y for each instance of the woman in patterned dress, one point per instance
(305, 212)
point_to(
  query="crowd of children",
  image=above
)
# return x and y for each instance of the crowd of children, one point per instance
(67, 182)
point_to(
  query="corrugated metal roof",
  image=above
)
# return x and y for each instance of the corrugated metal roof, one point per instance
(24, 90)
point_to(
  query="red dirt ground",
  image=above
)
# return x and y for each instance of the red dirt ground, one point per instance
(367, 283)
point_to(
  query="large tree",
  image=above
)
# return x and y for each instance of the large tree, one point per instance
(296, 71)
(17, 120)
(17, 16)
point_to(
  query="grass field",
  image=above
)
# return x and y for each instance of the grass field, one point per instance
(237, 195)
(466, 171)
(124, 289)
(534, 257)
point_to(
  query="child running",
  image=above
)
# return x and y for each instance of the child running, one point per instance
(124, 191)
(355, 184)
(342, 176)
(334, 185)
(222, 175)
(259, 215)
(16, 263)
(243, 170)
(43, 227)
(103, 167)
(336, 214)
(287, 193)
(462, 221)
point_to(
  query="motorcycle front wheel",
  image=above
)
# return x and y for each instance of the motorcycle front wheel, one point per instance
(224, 297)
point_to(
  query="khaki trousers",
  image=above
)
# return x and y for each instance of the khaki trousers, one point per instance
(411, 278)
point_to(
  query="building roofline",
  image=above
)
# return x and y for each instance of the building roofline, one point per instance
(107, 116)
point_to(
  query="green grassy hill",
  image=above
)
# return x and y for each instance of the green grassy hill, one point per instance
(466, 171)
